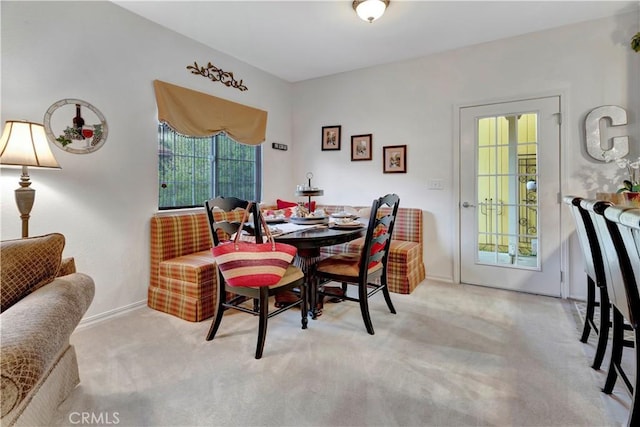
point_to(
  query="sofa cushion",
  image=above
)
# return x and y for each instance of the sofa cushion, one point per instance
(28, 264)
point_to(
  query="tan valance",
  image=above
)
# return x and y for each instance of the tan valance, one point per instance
(197, 114)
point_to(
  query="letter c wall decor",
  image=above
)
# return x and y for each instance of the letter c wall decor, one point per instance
(620, 144)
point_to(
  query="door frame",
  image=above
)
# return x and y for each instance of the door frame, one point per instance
(564, 225)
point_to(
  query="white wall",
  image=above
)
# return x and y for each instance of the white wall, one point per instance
(102, 201)
(414, 103)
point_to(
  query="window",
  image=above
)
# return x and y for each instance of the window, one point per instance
(194, 169)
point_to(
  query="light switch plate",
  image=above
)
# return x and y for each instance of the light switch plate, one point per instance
(436, 184)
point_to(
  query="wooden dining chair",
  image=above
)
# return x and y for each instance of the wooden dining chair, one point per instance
(225, 215)
(608, 237)
(624, 224)
(594, 268)
(362, 269)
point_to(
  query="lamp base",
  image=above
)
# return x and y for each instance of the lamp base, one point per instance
(25, 196)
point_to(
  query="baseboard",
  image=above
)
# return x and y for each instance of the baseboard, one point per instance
(91, 320)
(440, 279)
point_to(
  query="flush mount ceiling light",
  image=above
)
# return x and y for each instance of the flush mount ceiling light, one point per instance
(370, 10)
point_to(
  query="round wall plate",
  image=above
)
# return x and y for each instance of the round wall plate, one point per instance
(75, 126)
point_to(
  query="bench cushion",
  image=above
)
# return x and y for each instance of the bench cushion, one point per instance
(187, 274)
(405, 268)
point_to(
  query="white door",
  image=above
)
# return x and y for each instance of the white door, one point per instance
(509, 190)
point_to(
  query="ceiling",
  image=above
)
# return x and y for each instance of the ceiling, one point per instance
(301, 40)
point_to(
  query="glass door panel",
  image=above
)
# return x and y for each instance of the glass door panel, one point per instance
(506, 191)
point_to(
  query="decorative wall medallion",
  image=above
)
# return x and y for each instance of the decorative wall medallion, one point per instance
(75, 126)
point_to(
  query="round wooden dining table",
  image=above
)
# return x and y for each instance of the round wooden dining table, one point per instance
(309, 242)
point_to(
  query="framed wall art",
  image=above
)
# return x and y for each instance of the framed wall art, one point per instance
(361, 147)
(331, 138)
(395, 159)
(75, 126)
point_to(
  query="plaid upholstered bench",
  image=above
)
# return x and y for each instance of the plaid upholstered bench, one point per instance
(405, 266)
(183, 279)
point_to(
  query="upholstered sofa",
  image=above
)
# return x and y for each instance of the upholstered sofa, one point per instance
(43, 300)
(183, 280)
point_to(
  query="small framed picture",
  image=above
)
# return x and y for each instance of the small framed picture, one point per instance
(395, 159)
(331, 137)
(361, 147)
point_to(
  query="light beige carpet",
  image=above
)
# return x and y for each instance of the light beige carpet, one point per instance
(454, 355)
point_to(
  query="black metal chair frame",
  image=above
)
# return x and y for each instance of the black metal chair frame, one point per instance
(260, 295)
(379, 232)
(596, 277)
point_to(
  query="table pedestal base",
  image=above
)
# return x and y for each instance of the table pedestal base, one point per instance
(306, 260)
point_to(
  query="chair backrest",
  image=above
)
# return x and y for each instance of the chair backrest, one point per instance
(588, 240)
(627, 223)
(378, 238)
(613, 272)
(225, 214)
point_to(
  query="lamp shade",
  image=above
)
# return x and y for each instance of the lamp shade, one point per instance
(370, 10)
(25, 144)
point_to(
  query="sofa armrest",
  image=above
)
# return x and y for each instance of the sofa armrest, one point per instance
(34, 331)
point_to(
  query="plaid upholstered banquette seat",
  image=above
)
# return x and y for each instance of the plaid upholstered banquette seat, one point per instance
(406, 265)
(183, 279)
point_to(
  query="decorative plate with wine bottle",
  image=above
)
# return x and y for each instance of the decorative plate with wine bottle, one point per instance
(75, 126)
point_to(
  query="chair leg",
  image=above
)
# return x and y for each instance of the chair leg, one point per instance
(262, 322)
(364, 307)
(591, 303)
(222, 299)
(304, 312)
(634, 411)
(387, 296)
(616, 351)
(603, 333)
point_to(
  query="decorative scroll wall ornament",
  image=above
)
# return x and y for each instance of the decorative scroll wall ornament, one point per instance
(620, 144)
(215, 74)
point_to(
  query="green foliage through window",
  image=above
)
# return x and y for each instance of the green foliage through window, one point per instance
(194, 169)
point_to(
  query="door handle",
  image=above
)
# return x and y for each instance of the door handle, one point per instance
(467, 205)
